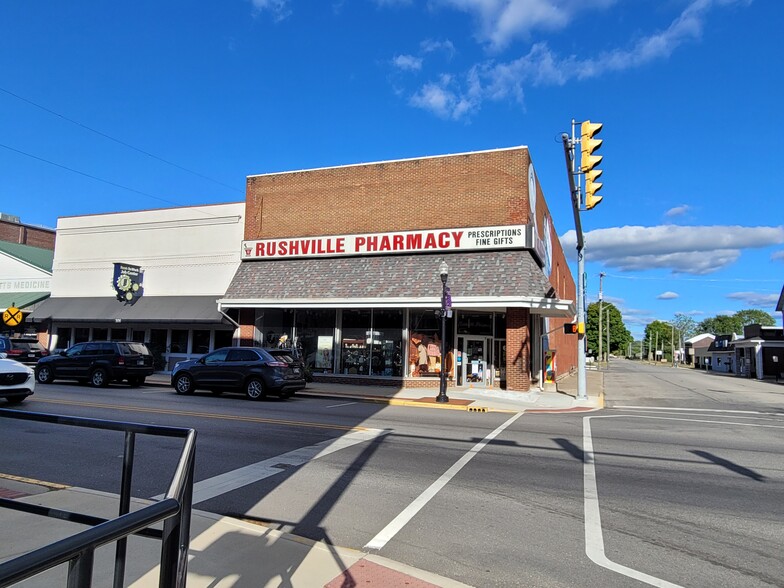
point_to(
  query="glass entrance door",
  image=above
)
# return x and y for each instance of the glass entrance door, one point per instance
(476, 362)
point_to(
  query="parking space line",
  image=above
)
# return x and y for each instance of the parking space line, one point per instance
(412, 509)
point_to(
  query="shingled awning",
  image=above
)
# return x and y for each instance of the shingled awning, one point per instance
(478, 280)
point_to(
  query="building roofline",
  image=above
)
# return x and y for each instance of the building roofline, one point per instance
(178, 207)
(298, 171)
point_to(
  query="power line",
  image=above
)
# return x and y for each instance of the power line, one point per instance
(118, 141)
(92, 177)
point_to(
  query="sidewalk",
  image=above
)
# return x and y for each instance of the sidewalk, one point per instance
(227, 552)
(562, 398)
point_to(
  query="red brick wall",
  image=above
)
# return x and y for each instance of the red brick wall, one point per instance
(27, 235)
(479, 189)
(475, 189)
(518, 350)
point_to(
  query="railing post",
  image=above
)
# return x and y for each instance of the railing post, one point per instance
(125, 507)
(80, 570)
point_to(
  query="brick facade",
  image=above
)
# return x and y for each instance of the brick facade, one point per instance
(40, 237)
(467, 190)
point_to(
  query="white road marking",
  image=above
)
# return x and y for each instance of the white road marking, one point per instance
(217, 485)
(718, 410)
(412, 509)
(337, 405)
(594, 540)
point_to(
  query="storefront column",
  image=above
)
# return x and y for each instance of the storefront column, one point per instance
(247, 326)
(518, 350)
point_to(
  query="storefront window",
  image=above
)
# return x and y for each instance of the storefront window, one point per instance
(223, 339)
(500, 325)
(179, 341)
(424, 343)
(118, 334)
(81, 334)
(100, 334)
(316, 339)
(201, 342)
(63, 338)
(276, 326)
(387, 343)
(137, 335)
(475, 323)
(355, 344)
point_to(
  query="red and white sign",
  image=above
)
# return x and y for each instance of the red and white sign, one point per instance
(462, 239)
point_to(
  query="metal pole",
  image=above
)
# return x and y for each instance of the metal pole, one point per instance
(568, 145)
(601, 314)
(607, 328)
(442, 397)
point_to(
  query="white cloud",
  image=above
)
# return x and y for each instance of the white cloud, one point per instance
(279, 9)
(694, 313)
(407, 62)
(683, 249)
(441, 100)
(677, 211)
(777, 255)
(431, 46)
(667, 296)
(755, 299)
(502, 20)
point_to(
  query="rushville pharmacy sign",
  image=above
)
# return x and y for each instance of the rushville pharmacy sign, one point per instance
(460, 239)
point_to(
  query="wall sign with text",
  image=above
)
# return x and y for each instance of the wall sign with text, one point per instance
(430, 241)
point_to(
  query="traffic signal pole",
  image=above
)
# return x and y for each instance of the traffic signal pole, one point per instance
(568, 143)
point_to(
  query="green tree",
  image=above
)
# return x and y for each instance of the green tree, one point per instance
(753, 316)
(620, 337)
(721, 325)
(685, 325)
(662, 336)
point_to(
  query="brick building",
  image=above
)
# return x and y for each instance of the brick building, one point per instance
(344, 263)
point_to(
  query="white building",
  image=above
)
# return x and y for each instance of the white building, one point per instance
(151, 275)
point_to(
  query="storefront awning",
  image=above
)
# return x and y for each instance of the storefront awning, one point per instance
(478, 280)
(20, 299)
(147, 309)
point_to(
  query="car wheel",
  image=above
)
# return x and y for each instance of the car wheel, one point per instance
(44, 374)
(136, 382)
(99, 378)
(15, 399)
(254, 389)
(183, 384)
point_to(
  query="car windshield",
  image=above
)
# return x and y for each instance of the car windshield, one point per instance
(26, 345)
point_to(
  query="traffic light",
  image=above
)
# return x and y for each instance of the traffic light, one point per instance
(570, 328)
(589, 161)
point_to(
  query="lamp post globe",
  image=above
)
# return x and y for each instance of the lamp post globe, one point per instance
(443, 270)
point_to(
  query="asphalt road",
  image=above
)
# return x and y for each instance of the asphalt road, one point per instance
(679, 482)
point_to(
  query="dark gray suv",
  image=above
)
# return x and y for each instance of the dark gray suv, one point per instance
(98, 362)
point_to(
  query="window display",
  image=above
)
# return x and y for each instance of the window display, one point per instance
(424, 345)
(355, 345)
(315, 335)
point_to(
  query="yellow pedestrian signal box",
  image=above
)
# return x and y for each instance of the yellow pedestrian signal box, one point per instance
(589, 162)
(570, 328)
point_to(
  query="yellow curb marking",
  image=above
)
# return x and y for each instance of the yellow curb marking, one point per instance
(51, 485)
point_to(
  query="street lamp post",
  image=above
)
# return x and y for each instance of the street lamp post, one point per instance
(443, 269)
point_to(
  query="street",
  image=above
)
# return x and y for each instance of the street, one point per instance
(678, 482)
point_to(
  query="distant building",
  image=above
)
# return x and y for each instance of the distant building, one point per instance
(697, 350)
(760, 353)
(13, 230)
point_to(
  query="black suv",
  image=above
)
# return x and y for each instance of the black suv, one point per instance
(98, 362)
(251, 370)
(22, 349)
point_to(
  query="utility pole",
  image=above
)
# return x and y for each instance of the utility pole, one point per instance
(656, 349)
(568, 144)
(608, 337)
(601, 306)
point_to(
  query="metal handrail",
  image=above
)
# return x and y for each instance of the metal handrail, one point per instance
(78, 550)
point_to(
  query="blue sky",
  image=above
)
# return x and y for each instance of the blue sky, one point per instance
(111, 106)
